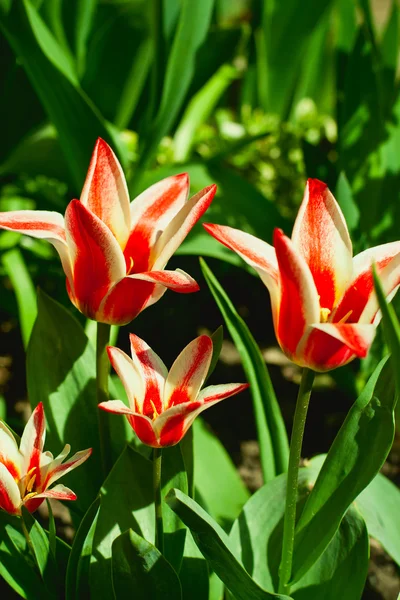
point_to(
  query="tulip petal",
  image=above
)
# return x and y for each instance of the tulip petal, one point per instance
(32, 440)
(178, 280)
(299, 306)
(359, 303)
(150, 214)
(42, 224)
(179, 227)
(128, 373)
(188, 372)
(10, 455)
(127, 298)
(96, 257)
(58, 492)
(214, 393)
(327, 346)
(255, 252)
(153, 372)
(142, 426)
(320, 234)
(59, 469)
(10, 497)
(105, 192)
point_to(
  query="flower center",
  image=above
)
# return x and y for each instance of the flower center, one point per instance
(324, 315)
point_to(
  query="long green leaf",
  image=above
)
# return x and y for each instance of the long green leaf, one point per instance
(191, 31)
(355, 457)
(257, 538)
(18, 273)
(216, 547)
(274, 447)
(49, 72)
(138, 565)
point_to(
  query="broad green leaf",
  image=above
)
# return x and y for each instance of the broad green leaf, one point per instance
(40, 544)
(52, 530)
(194, 569)
(18, 273)
(355, 457)
(127, 503)
(271, 432)
(194, 21)
(65, 103)
(199, 110)
(379, 505)
(212, 463)
(77, 578)
(84, 11)
(256, 538)
(344, 196)
(137, 565)
(280, 23)
(215, 545)
(61, 374)
(13, 555)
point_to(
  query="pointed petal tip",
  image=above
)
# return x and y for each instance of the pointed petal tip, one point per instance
(315, 186)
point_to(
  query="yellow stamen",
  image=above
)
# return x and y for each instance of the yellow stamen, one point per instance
(155, 412)
(29, 496)
(324, 312)
(346, 316)
(30, 483)
(130, 266)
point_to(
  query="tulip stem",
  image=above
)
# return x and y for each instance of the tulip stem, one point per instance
(102, 373)
(157, 461)
(296, 442)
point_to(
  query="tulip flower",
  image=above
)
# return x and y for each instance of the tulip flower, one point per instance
(324, 306)
(162, 404)
(114, 252)
(27, 473)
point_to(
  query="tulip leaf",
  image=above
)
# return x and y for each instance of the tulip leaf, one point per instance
(391, 329)
(194, 569)
(256, 538)
(61, 374)
(212, 463)
(217, 339)
(379, 505)
(128, 493)
(16, 564)
(19, 275)
(40, 544)
(346, 202)
(355, 457)
(52, 529)
(215, 545)
(271, 432)
(55, 83)
(137, 565)
(191, 31)
(77, 578)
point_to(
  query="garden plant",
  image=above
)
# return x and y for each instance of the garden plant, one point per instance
(232, 139)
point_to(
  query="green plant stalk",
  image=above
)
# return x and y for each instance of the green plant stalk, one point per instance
(29, 542)
(296, 442)
(159, 529)
(102, 373)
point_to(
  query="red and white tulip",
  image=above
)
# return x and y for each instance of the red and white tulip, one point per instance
(114, 252)
(324, 306)
(162, 404)
(26, 473)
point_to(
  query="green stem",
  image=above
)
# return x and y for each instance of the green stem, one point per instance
(102, 373)
(296, 442)
(29, 541)
(157, 460)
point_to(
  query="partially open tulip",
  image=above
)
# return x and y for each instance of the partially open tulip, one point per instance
(114, 252)
(27, 473)
(324, 306)
(162, 404)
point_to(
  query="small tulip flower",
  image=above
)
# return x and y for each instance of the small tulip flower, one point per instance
(162, 404)
(114, 252)
(324, 306)
(27, 473)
